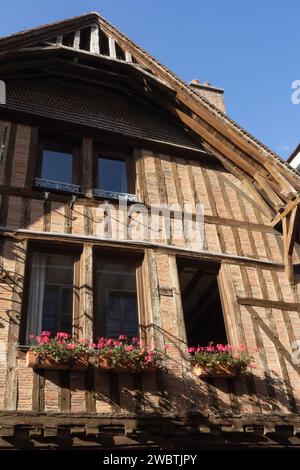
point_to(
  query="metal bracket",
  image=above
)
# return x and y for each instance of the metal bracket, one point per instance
(72, 202)
(46, 197)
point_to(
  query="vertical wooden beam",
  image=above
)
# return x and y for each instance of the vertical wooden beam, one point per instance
(11, 382)
(77, 39)
(32, 158)
(94, 42)
(87, 160)
(128, 56)
(86, 290)
(156, 330)
(112, 47)
(290, 229)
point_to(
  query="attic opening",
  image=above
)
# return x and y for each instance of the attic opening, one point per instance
(120, 54)
(201, 302)
(103, 43)
(85, 35)
(68, 39)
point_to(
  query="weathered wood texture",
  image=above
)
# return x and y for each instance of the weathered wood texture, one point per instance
(234, 225)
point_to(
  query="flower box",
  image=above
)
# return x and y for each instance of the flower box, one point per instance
(217, 372)
(127, 355)
(38, 362)
(223, 361)
(104, 364)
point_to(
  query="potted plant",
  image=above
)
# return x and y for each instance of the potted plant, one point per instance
(127, 355)
(61, 352)
(220, 361)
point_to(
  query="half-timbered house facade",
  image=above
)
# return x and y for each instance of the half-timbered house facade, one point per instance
(94, 131)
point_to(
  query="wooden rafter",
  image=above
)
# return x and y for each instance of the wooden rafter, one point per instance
(225, 150)
(286, 210)
(290, 226)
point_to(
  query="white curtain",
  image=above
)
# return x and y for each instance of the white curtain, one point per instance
(36, 294)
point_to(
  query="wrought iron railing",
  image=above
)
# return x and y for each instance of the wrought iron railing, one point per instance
(56, 185)
(114, 195)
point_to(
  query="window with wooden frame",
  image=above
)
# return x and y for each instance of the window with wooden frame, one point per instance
(114, 176)
(202, 303)
(118, 303)
(58, 164)
(51, 292)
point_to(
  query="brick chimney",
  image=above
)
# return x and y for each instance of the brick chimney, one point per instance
(211, 93)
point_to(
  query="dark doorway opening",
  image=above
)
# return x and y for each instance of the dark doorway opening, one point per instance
(201, 302)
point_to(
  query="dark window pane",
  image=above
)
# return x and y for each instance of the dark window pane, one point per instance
(112, 175)
(116, 299)
(57, 166)
(51, 294)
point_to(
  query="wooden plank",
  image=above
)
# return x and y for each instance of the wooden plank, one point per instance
(112, 47)
(154, 313)
(64, 392)
(286, 210)
(32, 158)
(128, 56)
(293, 229)
(86, 320)
(94, 43)
(90, 398)
(47, 216)
(87, 159)
(11, 381)
(266, 303)
(9, 155)
(76, 39)
(38, 386)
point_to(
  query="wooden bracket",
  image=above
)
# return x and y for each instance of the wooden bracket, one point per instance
(290, 227)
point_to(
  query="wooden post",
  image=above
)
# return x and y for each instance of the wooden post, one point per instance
(87, 166)
(77, 39)
(112, 47)
(11, 388)
(289, 230)
(86, 290)
(94, 43)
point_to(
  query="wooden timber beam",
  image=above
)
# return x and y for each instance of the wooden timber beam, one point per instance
(290, 227)
(225, 150)
(230, 131)
(286, 211)
(257, 155)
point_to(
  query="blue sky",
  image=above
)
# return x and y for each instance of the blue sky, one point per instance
(250, 48)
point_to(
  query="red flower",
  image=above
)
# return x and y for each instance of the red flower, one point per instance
(46, 333)
(62, 335)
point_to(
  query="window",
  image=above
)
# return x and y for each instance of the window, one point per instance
(116, 303)
(51, 293)
(112, 175)
(57, 165)
(203, 314)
